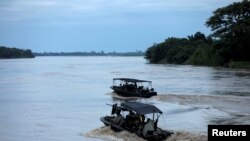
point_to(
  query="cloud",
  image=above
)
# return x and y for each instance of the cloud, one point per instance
(100, 23)
(61, 10)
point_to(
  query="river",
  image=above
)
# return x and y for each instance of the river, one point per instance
(62, 98)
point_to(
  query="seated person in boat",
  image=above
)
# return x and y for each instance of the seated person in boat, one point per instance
(134, 120)
(119, 120)
(148, 128)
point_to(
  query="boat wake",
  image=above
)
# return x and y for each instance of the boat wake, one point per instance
(107, 134)
(114, 95)
(234, 105)
(215, 109)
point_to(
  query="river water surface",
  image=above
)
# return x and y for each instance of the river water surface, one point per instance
(62, 98)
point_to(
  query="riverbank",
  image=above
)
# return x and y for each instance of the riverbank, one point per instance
(14, 53)
(239, 64)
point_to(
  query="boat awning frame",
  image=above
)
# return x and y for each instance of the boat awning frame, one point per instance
(130, 80)
(141, 108)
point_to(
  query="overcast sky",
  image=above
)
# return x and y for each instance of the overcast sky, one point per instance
(100, 25)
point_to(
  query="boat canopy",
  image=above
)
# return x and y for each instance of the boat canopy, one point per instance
(141, 108)
(130, 80)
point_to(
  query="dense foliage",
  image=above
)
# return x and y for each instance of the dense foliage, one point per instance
(195, 49)
(15, 53)
(229, 42)
(231, 25)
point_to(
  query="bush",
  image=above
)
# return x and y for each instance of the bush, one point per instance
(239, 64)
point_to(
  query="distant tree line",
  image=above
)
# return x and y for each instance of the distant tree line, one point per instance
(228, 45)
(92, 53)
(6, 53)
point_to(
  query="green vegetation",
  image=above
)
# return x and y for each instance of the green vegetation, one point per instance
(239, 64)
(228, 45)
(195, 49)
(15, 53)
(92, 53)
(231, 25)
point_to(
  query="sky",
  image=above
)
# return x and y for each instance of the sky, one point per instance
(101, 25)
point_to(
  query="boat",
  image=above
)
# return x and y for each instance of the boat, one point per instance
(128, 87)
(131, 116)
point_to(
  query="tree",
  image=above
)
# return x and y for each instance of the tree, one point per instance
(177, 50)
(231, 27)
(6, 52)
(197, 36)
